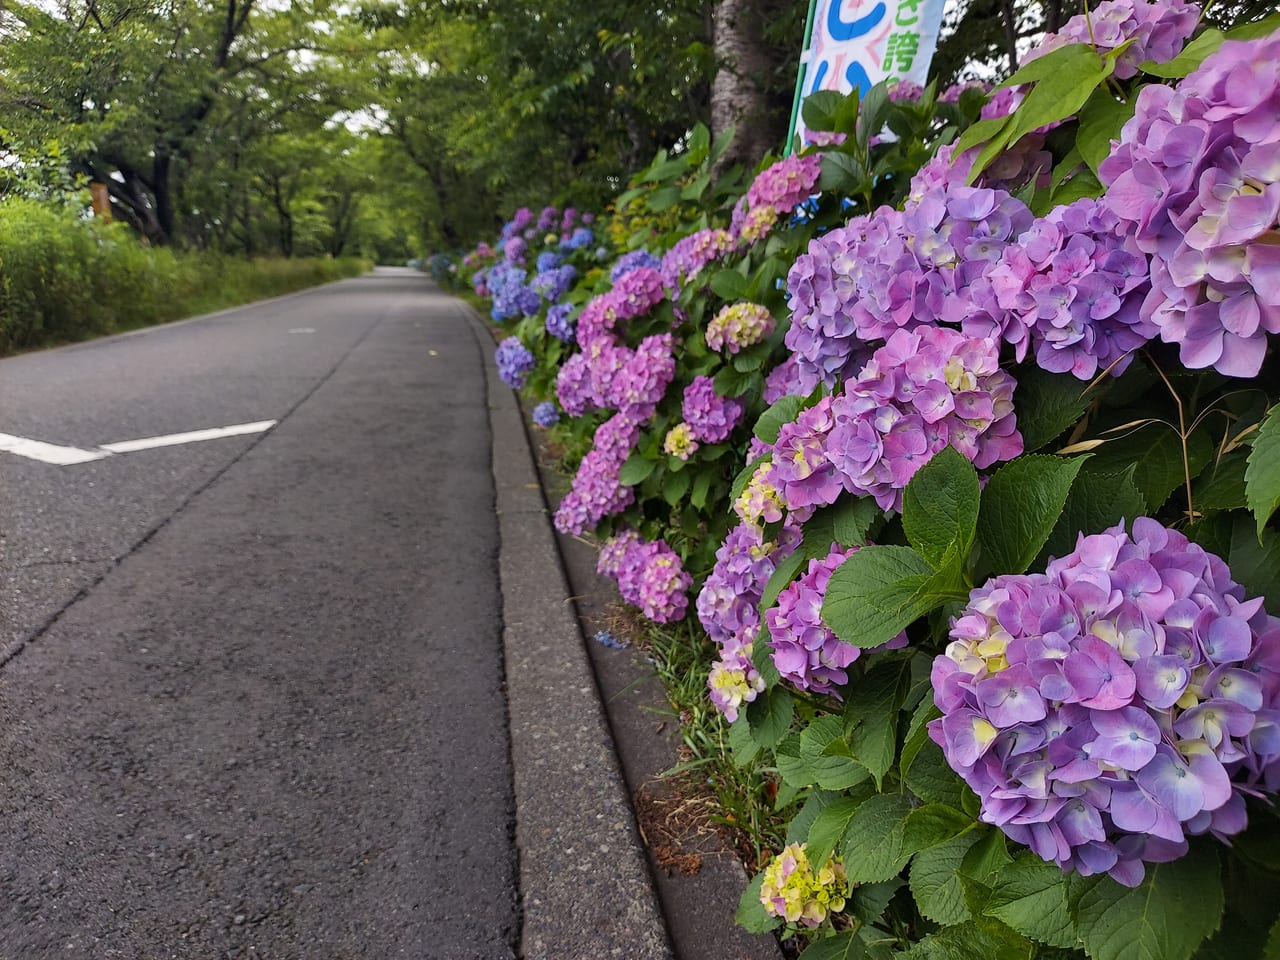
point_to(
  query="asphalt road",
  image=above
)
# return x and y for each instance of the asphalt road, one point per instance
(251, 700)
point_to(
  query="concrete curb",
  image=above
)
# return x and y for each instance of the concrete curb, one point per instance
(585, 887)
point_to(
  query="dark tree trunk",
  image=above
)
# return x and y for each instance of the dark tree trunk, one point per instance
(739, 98)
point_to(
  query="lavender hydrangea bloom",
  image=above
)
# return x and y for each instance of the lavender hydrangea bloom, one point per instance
(633, 260)
(546, 414)
(597, 492)
(710, 416)
(904, 90)
(805, 651)
(635, 294)
(776, 192)
(923, 390)
(1071, 290)
(652, 578)
(547, 219)
(1154, 31)
(643, 378)
(517, 224)
(785, 380)
(554, 283)
(686, 259)
(560, 322)
(1196, 177)
(512, 297)
(1115, 704)
(547, 260)
(802, 471)
(580, 238)
(514, 362)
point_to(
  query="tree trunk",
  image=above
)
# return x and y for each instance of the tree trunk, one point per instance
(738, 97)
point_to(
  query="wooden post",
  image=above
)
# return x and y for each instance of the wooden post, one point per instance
(101, 200)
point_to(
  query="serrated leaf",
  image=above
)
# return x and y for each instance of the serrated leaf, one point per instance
(1047, 404)
(930, 778)
(935, 882)
(751, 915)
(675, 486)
(1178, 905)
(828, 771)
(819, 109)
(1098, 500)
(784, 410)
(932, 824)
(1021, 505)
(635, 469)
(1155, 452)
(1254, 563)
(852, 519)
(981, 939)
(1100, 121)
(1262, 477)
(769, 716)
(791, 766)
(842, 173)
(828, 828)
(873, 847)
(875, 593)
(841, 946)
(1221, 487)
(871, 900)
(940, 508)
(872, 712)
(1030, 896)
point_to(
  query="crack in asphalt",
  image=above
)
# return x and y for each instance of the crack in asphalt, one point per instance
(15, 649)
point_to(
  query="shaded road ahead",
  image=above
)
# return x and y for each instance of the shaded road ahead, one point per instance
(251, 703)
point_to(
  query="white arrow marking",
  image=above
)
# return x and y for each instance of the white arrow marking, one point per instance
(194, 436)
(48, 452)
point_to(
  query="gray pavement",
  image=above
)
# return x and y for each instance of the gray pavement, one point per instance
(252, 699)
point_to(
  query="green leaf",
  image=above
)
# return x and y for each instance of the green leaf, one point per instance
(729, 285)
(981, 939)
(1156, 455)
(843, 173)
(871, 110)
(744, 477)
(676, 486)
(741, 742)
(873, 847)
(1178, 905)
(751, 914)
(1255, 563)
(932, 824)
(930, 778)
(1100, 122)
(871, 900)
(783, 411)
(1192, 55)
(940, 509)
(872, 713)
(935, 880)
(701, 487)
(1047, 404)
(828, 771)
(1222, 487)
(1021, 505)
(1098, 500)
(828, 828)
(769, 716)
(635, 470)
(1030, 896)
(875, 593)
(664, 198)
(791, 766)
(819, 109)
(841, 946)
(852, 519)
(918, 732)
(1262, 478)
(782, 575)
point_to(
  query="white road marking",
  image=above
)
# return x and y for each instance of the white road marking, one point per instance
(303, 330)
(48, 452)
(194, 436)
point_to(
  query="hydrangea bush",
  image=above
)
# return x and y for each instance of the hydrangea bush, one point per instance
(961, 446)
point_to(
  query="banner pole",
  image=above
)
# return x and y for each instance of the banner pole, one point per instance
(801, 70)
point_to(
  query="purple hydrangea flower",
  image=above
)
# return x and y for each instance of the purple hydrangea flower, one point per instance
(785, 380)
(635, 294)
(554, 283)
(512, 297)
(923, 390)
(546, 414)
(686, 259)
(776, 192)
(1108, 708)
(1196, 178)
(652, 578)
(580, 238)
(518, 223)
(597, 492)
(1154, 31)
(547, 260)
(805, 651)
(547, 219)
(802, 472)
(1070, 290)
(633, 260)
(710, 416)
(560, 322)
(514, 362)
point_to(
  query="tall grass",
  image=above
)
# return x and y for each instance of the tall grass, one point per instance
(64, 278)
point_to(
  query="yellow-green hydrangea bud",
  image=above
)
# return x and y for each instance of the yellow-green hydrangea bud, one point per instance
(795, 892)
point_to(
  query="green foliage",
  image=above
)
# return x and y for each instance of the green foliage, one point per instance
(1262, 478)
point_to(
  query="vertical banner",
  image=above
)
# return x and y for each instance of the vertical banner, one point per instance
(854, 44)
